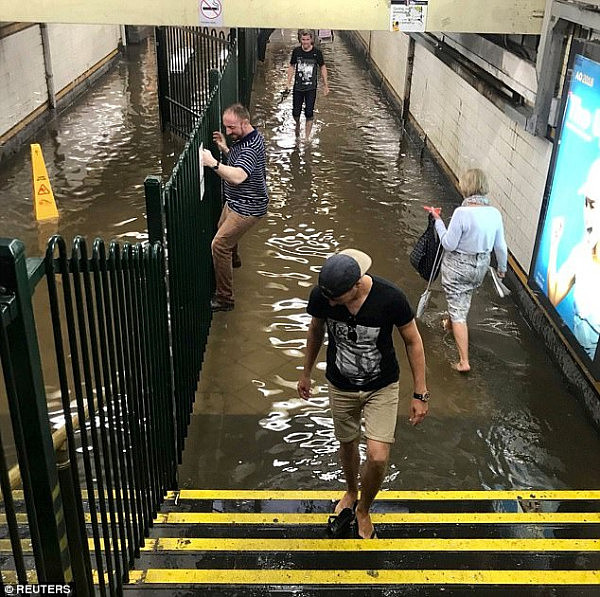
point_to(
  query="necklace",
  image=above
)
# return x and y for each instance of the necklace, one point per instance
(475, 200)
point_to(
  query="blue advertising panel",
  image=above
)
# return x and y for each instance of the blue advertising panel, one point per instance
(566, 266)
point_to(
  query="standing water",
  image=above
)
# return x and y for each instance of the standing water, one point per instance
(360, 183)
(511, 423)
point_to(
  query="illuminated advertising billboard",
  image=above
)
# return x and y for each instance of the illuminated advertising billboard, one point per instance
(566, 263)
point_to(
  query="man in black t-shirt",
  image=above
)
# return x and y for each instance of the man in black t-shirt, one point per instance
(360, 312)
(305, 63)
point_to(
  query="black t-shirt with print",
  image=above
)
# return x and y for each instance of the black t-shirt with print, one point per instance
(307, 67)
(360, 351)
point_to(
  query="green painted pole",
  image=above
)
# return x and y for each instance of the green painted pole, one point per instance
(29, 410)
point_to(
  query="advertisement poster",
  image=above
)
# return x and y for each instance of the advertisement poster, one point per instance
(567, 262)
(408, 15)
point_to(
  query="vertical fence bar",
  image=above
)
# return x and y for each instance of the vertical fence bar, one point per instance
(7, 496)
(82, 413)
(162, 63)
(127, 389)
(69, 476)
(34, 445)
(86, 337)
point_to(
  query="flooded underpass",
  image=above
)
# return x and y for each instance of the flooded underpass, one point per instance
(361, 183)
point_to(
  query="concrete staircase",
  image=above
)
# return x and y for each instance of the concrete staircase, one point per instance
(448, 543)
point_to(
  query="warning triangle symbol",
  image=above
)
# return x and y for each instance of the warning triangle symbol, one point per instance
(43, 190)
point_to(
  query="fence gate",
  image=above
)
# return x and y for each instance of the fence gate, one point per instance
(189, 62)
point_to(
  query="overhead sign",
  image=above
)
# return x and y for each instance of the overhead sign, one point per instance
(211, 13)
(408, 15)
(566, 264)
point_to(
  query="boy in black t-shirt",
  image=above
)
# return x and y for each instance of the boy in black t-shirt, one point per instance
(360, 312)
(305, 62)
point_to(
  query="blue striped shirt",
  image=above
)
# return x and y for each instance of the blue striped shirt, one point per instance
(249, 198)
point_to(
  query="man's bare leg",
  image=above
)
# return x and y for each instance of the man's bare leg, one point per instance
(309, 124)
(350, 459)
(371, 478)
(297, 131)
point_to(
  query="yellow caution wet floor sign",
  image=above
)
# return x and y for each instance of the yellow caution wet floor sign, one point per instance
(43, 198)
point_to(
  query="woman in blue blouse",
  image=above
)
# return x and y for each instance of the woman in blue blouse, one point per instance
(474, 230)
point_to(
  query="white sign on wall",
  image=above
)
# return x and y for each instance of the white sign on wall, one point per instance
(201, 162)
(408, 15)
(211, 13)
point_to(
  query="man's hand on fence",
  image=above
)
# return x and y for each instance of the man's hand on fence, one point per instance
(219, 139)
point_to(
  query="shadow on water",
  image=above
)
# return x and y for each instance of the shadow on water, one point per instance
(361, 183)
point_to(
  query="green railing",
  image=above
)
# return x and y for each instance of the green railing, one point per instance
(186, 57)
(183, 215)
(130, 326)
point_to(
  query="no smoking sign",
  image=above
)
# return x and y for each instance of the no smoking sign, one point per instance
(211, 13)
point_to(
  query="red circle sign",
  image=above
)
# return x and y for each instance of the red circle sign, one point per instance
(211, 9)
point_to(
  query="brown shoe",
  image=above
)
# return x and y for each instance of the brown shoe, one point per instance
(216, 305)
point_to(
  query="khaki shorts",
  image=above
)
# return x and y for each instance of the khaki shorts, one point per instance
(379, 408)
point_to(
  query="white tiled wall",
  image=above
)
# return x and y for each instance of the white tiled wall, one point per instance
(22, 77)
(469, 131)
(83, 45)
(74, 50)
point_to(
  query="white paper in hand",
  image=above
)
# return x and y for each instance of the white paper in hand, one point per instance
(501, 289)
(423, 301)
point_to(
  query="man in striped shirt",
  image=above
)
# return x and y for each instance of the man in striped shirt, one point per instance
(246, 197)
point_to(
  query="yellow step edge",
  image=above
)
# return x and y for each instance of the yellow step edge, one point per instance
(367, 577)
(287, 545)
(267, 494)
(252, 518)
(286, 518)
(525, 494)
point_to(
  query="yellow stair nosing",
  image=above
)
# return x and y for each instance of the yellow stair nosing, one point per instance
(364, 577)
(271, 518)
(267, 495)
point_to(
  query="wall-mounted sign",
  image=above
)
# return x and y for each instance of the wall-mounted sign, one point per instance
(408, 15)
(211, 13)
(566, 263)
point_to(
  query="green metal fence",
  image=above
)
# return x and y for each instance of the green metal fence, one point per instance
(186, 57)
(183, 216)
(130, 325)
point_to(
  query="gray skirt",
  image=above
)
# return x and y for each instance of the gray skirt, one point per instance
(461, 275)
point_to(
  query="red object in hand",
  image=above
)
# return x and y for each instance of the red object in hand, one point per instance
(434, 211)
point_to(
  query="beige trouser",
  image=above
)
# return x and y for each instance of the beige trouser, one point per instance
(232, 226)
(378, 407)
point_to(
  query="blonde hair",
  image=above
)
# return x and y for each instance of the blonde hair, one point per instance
(473, 182)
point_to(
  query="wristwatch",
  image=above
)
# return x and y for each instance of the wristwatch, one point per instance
(422, 397)
(216, 166)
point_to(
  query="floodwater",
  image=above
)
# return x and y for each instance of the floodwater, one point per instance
(360, 183)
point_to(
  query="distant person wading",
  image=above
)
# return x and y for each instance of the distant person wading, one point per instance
(305, 63)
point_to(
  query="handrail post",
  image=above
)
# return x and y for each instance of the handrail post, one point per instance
(154, 211)
(29, 413)
(162, 63)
